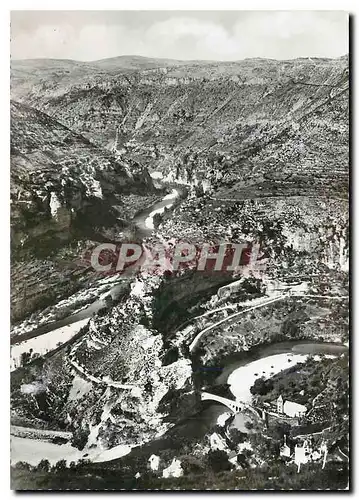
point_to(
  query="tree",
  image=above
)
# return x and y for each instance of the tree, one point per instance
(79, 438)
(279, 430)
(192, 465)
(261, 386)
(157, 219)
(25, 358)
(83, 461)
(242, 460)
(236, 436)
(23, 466)
(44, 466)
(60, 465)
(249, 425)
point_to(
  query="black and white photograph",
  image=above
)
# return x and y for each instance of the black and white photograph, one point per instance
(180, 240)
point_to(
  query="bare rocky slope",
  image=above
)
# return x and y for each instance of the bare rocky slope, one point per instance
(211, 106)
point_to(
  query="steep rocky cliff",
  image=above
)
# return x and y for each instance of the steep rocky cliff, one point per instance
(63, 193)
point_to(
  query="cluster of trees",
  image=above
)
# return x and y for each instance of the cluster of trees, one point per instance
(262, 386)
(214, 472)
(45, 466)
(217, 460)
(28, 356)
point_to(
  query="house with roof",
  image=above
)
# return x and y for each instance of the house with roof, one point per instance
(154, 462)
(290, 408)
(308, 453)
(301, 454)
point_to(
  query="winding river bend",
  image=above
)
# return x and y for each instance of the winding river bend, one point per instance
(46, 338)
(240, 374)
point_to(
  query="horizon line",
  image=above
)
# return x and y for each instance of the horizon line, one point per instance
(174, 60)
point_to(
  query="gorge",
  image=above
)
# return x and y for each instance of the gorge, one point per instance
(255, 152)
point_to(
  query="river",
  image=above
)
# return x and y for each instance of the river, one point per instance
(144, 222)
(47, 337)
(240, 374)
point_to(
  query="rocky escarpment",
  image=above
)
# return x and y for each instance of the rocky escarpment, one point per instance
(285, 189)
(297, 235)
(126, 382)
(248, 129)
(63, 192)
(107, 387)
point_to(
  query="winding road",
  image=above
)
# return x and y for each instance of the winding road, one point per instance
(289, 293)
(228, 318)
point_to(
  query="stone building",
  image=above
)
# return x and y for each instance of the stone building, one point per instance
(290, 408)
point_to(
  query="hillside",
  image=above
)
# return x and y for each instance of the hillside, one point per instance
(226, 106)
